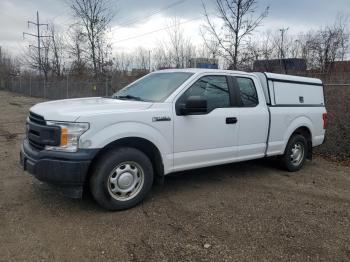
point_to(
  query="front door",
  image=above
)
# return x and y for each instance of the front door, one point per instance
(209, 138)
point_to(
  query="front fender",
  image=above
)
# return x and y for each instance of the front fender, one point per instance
(112, 133)
(120, 130)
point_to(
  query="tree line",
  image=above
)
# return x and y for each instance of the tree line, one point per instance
(230, 33)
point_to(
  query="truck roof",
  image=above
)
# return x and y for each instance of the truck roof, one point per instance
(201, 70)
(274, 76)
(302, 79)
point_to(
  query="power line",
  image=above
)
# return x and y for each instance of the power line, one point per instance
(158, 30)
(38, 36)
(135, 20)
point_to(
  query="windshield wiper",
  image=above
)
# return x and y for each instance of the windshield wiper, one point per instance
(129, 97)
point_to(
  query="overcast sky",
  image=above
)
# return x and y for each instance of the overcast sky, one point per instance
(137, 18)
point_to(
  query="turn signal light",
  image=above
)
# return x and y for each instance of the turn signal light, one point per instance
(64, 136)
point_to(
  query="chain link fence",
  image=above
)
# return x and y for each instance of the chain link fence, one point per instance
(67, 87)
(337, 95)
(338, 132)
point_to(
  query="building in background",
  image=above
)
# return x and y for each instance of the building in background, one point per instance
(287, 65)
(204, 63)
(138, 72)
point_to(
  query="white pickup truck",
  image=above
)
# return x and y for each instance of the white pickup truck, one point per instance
(168, 121)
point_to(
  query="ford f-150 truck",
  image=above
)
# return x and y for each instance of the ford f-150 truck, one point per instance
(168, 121)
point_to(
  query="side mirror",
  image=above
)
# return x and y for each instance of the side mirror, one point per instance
(194, 105)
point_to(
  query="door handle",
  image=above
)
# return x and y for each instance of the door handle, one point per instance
(231, 120)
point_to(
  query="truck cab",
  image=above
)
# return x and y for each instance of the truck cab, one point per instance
(169, 121)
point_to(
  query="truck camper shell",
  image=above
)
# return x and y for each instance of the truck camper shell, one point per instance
(286, 90)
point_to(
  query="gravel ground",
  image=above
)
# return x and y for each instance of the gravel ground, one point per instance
(249, 211)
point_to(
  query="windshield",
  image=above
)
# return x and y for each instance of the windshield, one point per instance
(154, 87)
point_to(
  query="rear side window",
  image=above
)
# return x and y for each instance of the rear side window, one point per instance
(249, 97)
(213, 88)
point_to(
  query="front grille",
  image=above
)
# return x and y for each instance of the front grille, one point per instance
(36, 118)
(39, 134)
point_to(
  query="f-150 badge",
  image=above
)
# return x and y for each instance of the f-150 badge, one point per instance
(160, 118)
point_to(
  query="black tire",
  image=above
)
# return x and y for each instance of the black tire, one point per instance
(106, 167)
(288, 162)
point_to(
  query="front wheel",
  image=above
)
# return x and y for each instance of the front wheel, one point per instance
(121, 178)
(295, 153)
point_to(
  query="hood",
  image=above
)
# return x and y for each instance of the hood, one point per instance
(72, 109)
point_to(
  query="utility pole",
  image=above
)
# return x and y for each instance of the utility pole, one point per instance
(283, 31)
(38, 36)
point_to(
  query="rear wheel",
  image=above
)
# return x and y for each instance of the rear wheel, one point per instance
(121, 178)
(295, 153)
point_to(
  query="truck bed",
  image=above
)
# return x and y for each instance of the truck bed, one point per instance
(286, 90)
(292, 101)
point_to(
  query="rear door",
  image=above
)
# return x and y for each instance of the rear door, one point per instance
(253, 118)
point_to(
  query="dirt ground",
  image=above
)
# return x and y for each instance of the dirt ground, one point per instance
(249, 211)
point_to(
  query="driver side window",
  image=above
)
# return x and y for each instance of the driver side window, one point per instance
(212, 88)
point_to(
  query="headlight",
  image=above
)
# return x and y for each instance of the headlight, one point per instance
(70, 134)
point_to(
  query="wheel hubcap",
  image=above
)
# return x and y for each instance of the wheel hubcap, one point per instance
(297, 154)
(125, 181)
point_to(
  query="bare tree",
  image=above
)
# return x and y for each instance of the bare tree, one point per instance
(123, 62)
(267, 45)
(57, 48)
(179, 47)
(209, 49)
(260, 47)
(342, 23)
(8, 66)
(76, 49)
(327, 45)
(189, 52)
(160, 57)
(46, 44)
(238, 22)
(142, 58)
(94, 17)
(104, 55)
(320, 48)
(31, 58)
(51, 53)
(176, 43)
(175, 50)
